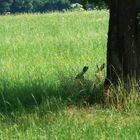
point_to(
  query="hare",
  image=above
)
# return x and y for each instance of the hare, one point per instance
(88, 88)
(80, 77)
(98, 73)
(83, 83)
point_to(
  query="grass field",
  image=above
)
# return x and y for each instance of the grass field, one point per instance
(40, 56)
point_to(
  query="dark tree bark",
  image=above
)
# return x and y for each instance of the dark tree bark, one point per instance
(123, 47)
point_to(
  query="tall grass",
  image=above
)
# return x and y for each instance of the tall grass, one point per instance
(40, 55)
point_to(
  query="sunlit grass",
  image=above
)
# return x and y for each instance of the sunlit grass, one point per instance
(41, 51)
(73, 123)
(40, 55)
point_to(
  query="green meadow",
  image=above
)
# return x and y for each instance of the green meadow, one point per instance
(40, 99)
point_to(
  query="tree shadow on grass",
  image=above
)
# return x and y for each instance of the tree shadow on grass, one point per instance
(78, 94)
(48, 97)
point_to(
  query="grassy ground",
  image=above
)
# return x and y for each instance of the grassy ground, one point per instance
(40, 56)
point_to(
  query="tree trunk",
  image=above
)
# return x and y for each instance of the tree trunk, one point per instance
(123, 47)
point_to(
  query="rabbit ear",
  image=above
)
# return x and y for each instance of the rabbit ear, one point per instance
(97, 69)
(102, 66)
(81, 74)
(85, 68)
(98, 73)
